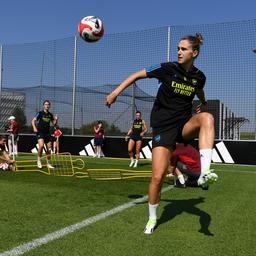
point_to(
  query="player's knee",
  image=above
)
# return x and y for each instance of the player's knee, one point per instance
(157, 179)
(207, 119)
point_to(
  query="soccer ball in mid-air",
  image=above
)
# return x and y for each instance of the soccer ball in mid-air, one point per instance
(91, 29)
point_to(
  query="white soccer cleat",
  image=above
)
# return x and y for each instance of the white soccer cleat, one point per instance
(136, 164)
(151, 224)
(207, 178)
(49, 166)
(132, 162)
(39, 165)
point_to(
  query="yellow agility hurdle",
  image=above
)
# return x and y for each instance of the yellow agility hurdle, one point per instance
(113, 174)
(63, 165)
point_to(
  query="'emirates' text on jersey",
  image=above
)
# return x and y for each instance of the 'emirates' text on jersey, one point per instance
(176, 92)
(43, 120)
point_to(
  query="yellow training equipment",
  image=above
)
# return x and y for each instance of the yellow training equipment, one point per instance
(112, 174)
(63, 165)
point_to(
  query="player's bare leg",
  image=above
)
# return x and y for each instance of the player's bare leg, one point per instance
(48, 155)
(138, 147)
(202, 125)
(160, 162)
(131, 144)
(40, 152)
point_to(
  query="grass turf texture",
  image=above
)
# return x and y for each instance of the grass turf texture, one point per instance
(220, 221)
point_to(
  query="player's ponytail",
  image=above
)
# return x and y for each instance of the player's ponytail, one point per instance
(195, 41)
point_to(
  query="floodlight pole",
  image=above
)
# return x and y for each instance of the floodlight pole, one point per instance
(254, 50)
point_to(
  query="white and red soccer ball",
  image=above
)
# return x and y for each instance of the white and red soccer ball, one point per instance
(91, 29)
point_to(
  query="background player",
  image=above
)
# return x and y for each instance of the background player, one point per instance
(6, 163)
(171, 117)
(41, 126)
(186, 160)
(98, 138)
(13, 137)
(56, 139)
(136, 133)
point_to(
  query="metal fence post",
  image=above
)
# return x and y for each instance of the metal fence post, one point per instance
(254, 50)
(169, 44)
(74, 86)
(41, 83)
(133, 100)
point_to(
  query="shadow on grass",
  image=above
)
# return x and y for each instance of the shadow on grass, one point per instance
(176, 207)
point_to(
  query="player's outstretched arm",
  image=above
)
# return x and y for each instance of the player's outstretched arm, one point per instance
(55, 120)
(111, 98)
(33, 122)
(145, 129)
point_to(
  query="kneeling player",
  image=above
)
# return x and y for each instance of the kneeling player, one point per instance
(6, 163)
(186, 160)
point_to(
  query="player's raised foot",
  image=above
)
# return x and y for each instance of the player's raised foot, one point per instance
(151, 224)
(49, 166)
(132, 163)
(207, 178)
(39, 165)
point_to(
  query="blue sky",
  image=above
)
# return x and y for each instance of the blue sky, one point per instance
(33, 20)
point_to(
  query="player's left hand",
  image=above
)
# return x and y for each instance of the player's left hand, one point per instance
(201, 108)
(111, 98)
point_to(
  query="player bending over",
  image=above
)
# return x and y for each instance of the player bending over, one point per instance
(41, 126)
(171, 117)
(186, 161)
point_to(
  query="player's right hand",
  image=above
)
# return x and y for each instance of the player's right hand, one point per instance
(111, 98)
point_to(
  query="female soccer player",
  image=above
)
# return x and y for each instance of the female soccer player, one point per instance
(171, 117)
(56, 139)
(136, 133)
(41, 126)
(13, 137)
(98, 138)
(6, 163)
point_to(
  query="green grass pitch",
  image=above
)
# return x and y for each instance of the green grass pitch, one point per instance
(220, 221)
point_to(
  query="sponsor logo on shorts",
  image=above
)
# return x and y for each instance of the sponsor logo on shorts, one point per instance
(157, 138)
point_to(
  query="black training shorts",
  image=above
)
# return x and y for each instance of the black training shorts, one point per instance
(168, 136)
(136, 137)
(46, 137)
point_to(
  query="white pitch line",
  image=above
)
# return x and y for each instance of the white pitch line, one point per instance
(23, 248)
